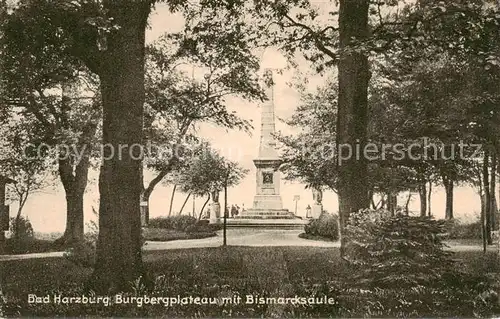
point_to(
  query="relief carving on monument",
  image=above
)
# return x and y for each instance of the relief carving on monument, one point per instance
(267, 178)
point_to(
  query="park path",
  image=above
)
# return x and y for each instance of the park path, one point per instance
(237, 237)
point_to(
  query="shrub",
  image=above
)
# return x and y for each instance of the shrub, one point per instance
(179, 222)
(456, 229)
(400, 269)
(326, 226)
(396, 251)
(22, 235)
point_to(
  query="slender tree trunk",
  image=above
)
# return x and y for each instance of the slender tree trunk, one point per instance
(194, 206)
(352, 110)
(172, 200)
(147, 191)
(392, 202)
(493, 205)
(448, 186)
(422, 191)
(372, 200)
(429, 199)
(487, 198)
(119, 256)
(203, 207)
(226, 212)
(184, 204)
(497, 218)
(407, 204)
(22, 202)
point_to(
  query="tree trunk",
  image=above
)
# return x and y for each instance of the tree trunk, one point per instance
(119, 256)
(497, 218)
(448, 186)
(73, 172)
(184, 204)
(172, 200)
(371, 194)
(422, 191)
(493, 205)
(203, 207)
(429, 199)
(392, 202)
(226, 213)
(22, 201)
(146, 192)
(74, 177)
(407, 204)
(487, 198)
(352, 118)
(194, 206)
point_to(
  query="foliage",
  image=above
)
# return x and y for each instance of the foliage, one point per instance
(208, 171)
(225, 272)
(456, 229)
(179, 222)
(396, 251)
(21, 234)
(192, 232)
(326, 226)
(310, 155)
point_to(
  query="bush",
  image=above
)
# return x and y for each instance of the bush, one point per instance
(456, 229)
(179, 222)
(400, 268)
(22, 236)
(396, 251)
(325, 226)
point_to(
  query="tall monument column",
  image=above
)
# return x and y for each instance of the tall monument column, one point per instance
(267, 201)
(268, 161)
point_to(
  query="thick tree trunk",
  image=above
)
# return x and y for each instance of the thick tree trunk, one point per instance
(119, 257)
(74, 179)
(422, 191)
(448, 187)
(73, 172)
(352, 118)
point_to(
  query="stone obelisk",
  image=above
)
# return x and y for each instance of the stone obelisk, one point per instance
(267, 201)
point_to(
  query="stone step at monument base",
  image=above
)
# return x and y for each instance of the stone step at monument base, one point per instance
(268, 223)
(256, 213)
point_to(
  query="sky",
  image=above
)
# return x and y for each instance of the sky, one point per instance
(46, 210)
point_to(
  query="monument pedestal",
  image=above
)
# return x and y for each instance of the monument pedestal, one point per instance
(214, 213)
(317, 209)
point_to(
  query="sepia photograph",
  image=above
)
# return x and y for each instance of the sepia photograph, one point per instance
(250, 158)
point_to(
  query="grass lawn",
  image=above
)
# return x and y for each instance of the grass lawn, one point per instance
(275, 271)
(161, 234)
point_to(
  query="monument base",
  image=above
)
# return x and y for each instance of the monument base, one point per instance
(317, 210)
(263, 213)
